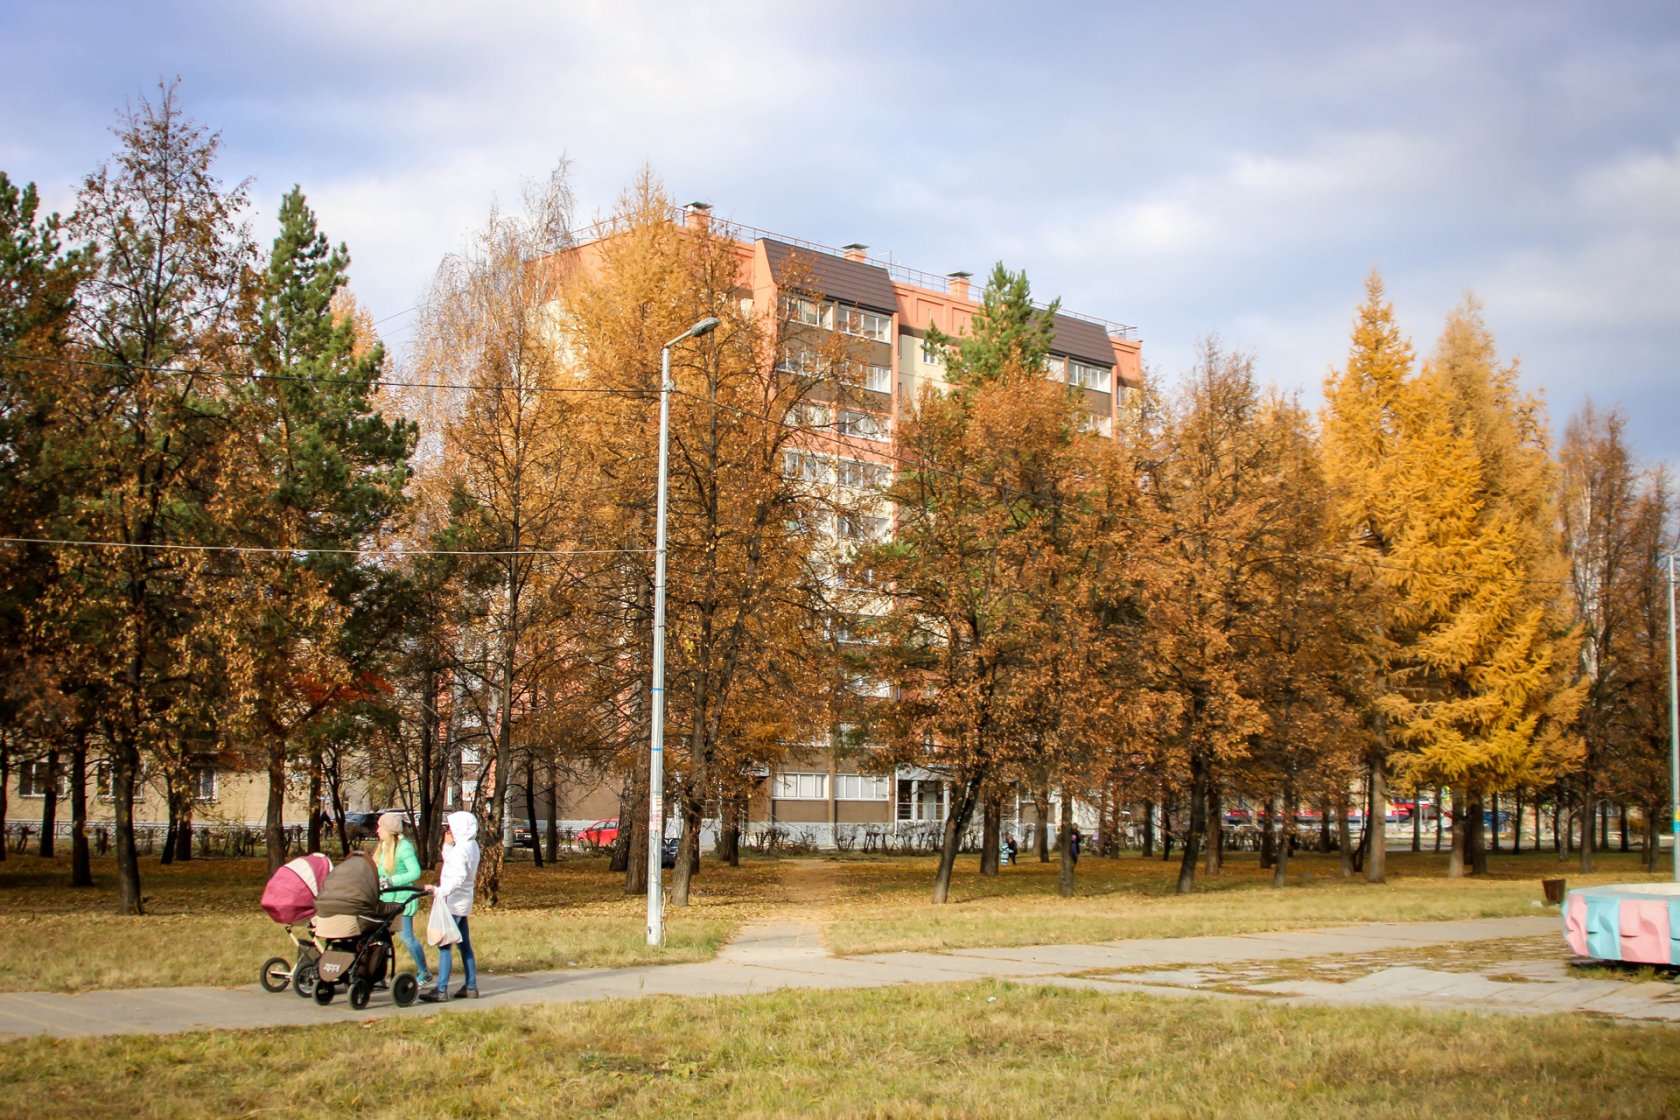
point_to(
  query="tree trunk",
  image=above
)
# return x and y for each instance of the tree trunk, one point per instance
(688, 851)
(1042, 804)
(531, 812)
(1268, 835)
(275, 820)
(1494, 798)
(1344, 837)
(729, 836)
(1326, 818)
(1516, 821)
(184, 825)
(314, 839)
(991, 830)
(173, 807)
(1215, 837)
(956, 820)
(429, 773)
(124, 764)
(1624, 832)
(5, 781)
(1417, 822)
(1461, 828)
(1198, 822)
(1376, 825)
(1064, 839)
(49, 808)
(553, 836)
(1589, 836)
(81, 870)
(633, 830)
(1648, 858)
(1148, 829)
(1286, 829)
(1474, 842)
(1166, 830)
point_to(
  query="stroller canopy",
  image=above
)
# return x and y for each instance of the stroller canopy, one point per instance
(290, 894)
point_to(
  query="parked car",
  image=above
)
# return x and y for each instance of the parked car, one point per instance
(601, 834)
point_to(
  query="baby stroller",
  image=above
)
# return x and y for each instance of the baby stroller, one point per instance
(289, 898)
(350, 943)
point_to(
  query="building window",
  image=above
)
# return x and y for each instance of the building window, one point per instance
(859, 787)
(922, 799)
(1097, 425)
(877, 379)
(805, 465)
(102, 781)
(932, 354)
(861, 425)
(864, 324)
(1098, 378)
(204, 783)
(807, 414)
(34, 777)
(800, 787)
(870, 686)
(861, 527)
(1054, 366)
(798, 309)
(860, 475)
(800, 361)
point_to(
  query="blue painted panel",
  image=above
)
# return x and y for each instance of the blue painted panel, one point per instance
(1604, 928)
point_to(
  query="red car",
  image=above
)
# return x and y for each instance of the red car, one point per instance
(601, 834)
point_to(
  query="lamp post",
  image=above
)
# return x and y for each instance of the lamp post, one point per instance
(656, 733)
(1673, 730)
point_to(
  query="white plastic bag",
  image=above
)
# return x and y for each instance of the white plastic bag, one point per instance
(441, 929)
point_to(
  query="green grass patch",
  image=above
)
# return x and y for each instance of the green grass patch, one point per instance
(976, 1050)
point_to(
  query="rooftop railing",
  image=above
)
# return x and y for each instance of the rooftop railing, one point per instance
(914, 277)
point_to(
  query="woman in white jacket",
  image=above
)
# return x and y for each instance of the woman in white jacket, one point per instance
(455, 890)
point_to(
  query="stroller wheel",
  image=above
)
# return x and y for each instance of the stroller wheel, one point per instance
(404, 989)
(276, 974)
(359, 993)
(304, 981)
(323, 994)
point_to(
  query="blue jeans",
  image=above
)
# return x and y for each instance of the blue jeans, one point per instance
(415, 949)
(467, 959)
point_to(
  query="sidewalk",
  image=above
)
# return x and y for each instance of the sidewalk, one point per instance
(772, 956)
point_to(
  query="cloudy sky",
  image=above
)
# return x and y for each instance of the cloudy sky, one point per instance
(1192, 168)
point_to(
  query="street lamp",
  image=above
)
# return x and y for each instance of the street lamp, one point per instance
(1673, 730)
(656, 734)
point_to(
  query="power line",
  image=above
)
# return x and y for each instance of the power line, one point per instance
(834, 438)
(171, 546)
(374, 384)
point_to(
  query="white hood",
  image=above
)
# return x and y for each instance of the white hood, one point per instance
(460, 865)
(465, 827)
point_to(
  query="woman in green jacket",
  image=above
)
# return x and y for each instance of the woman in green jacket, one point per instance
(399, 866)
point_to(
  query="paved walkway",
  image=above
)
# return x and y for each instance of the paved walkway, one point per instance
(771, 956)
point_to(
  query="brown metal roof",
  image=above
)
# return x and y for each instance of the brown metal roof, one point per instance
(1079, 339)
(864, 285)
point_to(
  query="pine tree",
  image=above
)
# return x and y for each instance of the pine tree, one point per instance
(324, 472)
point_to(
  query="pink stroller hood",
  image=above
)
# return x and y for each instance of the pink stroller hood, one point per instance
(290, 894)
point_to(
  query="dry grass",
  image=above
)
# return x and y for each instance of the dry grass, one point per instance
(883, 906)
(938, 1050)
(204, 925)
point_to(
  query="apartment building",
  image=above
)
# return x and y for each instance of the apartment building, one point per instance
(878, 314)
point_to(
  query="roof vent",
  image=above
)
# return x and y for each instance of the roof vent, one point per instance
(856, 251)
(699, 215)
(958, 283)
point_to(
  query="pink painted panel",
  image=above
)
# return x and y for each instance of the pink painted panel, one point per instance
(1645, 930)
(1575, 924)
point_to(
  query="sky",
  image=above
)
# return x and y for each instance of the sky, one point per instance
(1191, 168)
